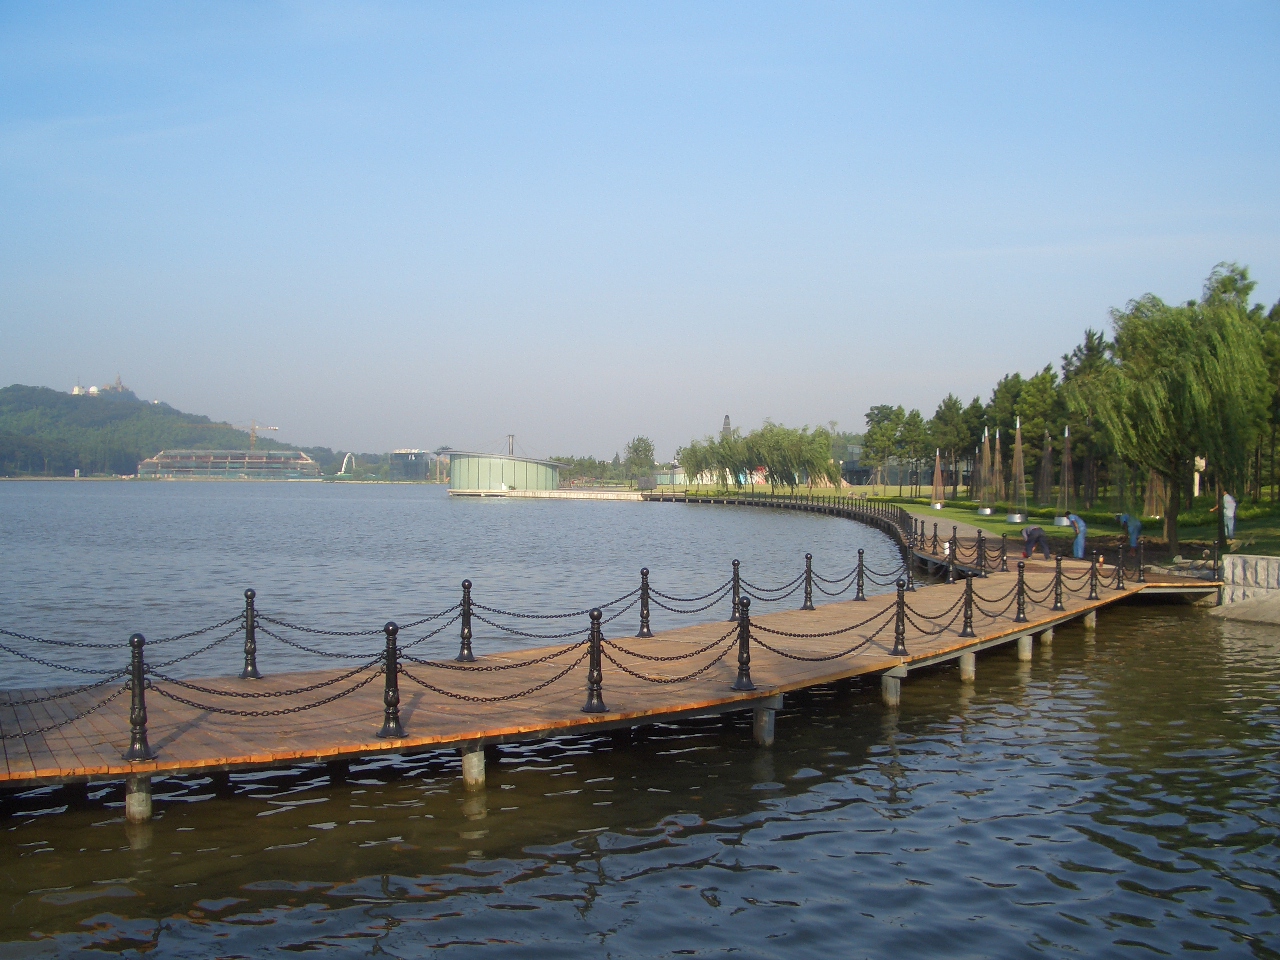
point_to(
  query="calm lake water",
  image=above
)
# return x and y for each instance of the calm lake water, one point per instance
(1116, 797)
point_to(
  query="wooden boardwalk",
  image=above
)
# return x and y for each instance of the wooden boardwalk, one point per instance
(188, 740)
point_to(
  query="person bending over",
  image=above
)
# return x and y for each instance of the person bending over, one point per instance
(1077, 546)
(1033, 537)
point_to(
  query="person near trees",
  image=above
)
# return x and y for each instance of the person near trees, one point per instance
(1228, 515)
(1077, 525)
(1133, 527)
(1033, 538)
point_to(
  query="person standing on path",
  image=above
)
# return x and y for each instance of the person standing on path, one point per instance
(1033, 537)
(1228, 514)
(1077, 547)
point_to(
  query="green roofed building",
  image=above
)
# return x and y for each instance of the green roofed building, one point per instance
(230, 465)
(493, 474)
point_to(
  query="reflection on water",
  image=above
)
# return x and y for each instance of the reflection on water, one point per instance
(1117, 799)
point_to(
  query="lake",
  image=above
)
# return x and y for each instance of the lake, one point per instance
(1115, 797)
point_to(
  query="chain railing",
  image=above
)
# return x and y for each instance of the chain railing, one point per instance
(587, 643)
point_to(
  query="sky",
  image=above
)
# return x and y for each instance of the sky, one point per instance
(386, 225)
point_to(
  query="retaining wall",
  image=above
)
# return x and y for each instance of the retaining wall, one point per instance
(1246, 577)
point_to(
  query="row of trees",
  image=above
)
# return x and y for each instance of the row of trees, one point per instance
(634, 463)
(787, 457)
(1176, 382)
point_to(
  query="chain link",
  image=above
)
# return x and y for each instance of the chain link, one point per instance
(471, 698)
(280, 712)
(666, 596)
(723, 593)
(669, 680)
(828, 633)
(62, 723)
(263, 694)
(552, 616)
(680, 656)
(494, 667)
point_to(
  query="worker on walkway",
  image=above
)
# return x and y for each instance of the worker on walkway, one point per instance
(1133, 527)
(1077, 525)
(1033, 537)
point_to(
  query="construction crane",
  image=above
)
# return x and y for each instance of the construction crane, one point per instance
(254, 427)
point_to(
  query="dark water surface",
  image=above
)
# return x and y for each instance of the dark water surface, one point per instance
(1116, 797)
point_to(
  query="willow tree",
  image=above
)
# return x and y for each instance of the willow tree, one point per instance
(1188, 380)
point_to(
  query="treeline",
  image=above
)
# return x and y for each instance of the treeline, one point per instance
(45, 432)
(1172, 384)
(634, 463)
(786, 456)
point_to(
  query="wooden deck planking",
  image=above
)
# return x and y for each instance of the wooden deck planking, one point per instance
(191, 740)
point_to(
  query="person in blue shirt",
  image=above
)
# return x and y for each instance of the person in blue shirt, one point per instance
(1133, 527)
(1077, 548)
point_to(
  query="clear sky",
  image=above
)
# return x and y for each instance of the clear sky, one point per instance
(381, 225)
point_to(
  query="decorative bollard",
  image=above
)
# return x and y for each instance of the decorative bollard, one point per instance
(1021, 616)
(737, 592)
(967, 629)
(861, 594)
(139, 748)
(744, 647)
(644, 604)
(951, 565)
(935, 539)
(1142, 573)
(982, 554)
(465, 654)
(900, 623)
(595, 676)
(808, 582)
(1120, 571)
(1093, 576)
(1057, 586)
(391, 728)
(250, 671)
(1004, 553)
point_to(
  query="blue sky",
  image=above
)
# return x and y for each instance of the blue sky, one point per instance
(386, 225)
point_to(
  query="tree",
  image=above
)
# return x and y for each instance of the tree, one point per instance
(948, 433)
(913, 438)
(881, 439)
(1188, 379)
(639, 457)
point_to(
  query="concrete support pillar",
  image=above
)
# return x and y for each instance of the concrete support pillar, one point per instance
(473, 768)
(1091, 620)
(338, 770)
(891, 686)
(1046, 636)
(137, 799)
(1024, 648)
(762, 721)
(968, 667)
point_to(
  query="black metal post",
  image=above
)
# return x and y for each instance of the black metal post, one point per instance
(935, 539)
(595, 676)
(900, 623)
(391, 690)
(1142, 573)
(737, 592)
(982, 554)
(860, 595)
(1057, 586)
(808, 582)
(1120, 571)
(465, 653)
(1021, 616)
(644, 604)
(908, 559)
(250, 671)
(139, 748)
(744, 647)
(951, 566)
(967, 629)
(1093, 576)
(1004, 553)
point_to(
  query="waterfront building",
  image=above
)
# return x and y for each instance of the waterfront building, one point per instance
(230, 465)
(408, 465)
(493, 474)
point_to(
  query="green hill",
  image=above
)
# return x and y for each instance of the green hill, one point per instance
(46, 432)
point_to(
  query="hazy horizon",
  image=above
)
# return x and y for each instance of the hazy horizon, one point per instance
(402, 225)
